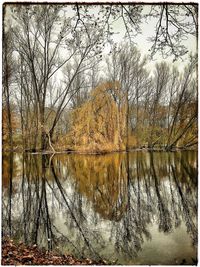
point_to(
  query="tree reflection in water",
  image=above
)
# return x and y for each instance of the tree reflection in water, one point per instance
(91, 204)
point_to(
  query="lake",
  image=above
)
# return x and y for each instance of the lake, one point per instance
(127, 208)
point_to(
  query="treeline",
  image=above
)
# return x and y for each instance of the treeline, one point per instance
(137, 109)
(60, 93)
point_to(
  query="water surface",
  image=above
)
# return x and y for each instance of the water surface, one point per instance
(129, 208)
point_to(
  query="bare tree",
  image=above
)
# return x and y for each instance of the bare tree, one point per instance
(127, 67)
(175, 24)
(46, 33)
(161, 78)
(7, 75)
(186, 90)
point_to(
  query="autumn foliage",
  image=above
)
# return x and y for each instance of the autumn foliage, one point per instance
(20, 254)
(99, 124)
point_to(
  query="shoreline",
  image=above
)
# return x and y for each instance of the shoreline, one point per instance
(90, 152)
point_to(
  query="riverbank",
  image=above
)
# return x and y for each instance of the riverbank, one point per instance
(102, 152)
(20, 254)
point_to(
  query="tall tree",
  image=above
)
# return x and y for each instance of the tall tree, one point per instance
(46, 34)
(127, 66)
(7, 75)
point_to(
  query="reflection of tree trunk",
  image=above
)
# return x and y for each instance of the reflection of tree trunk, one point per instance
(191, 172)
(71, 212)
(138, 195)
(173, 197)
(48, 219)
(165, 219)
(25, 202)
(127, 223)
(191, 227)
(42, 209)
(147, 180)
(10, 193)
(37, 218)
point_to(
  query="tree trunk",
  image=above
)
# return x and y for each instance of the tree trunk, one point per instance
(7, 95)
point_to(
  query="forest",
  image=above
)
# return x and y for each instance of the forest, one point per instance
(68, 85)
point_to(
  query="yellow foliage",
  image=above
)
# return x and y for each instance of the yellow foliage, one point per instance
(103, 181)
(132, 141)
(99, 124)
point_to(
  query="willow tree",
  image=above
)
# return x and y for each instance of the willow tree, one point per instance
(95, 125)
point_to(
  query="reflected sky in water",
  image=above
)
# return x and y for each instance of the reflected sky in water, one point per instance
(129, 208)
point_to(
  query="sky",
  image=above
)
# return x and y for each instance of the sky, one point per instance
(141, 40)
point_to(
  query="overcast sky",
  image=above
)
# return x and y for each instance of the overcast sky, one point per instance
(141, 40)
